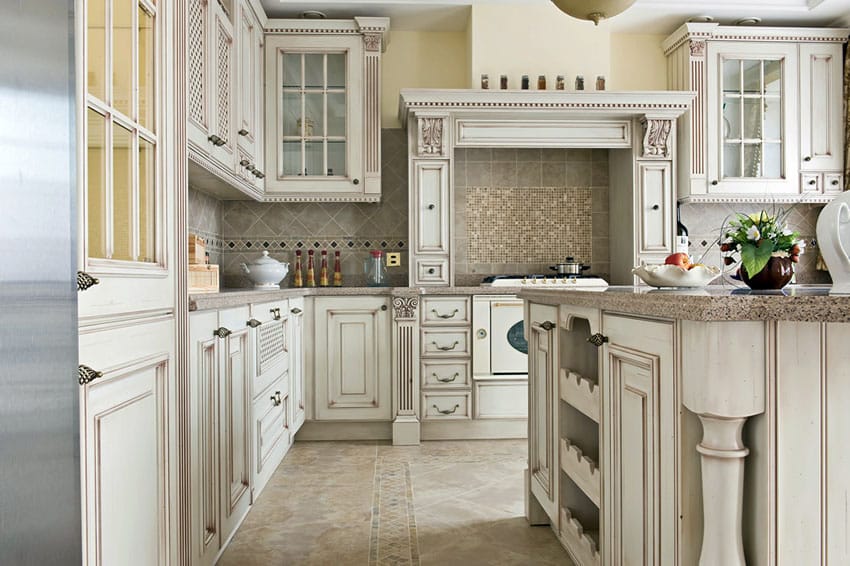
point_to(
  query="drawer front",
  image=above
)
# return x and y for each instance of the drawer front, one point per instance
(448, 374)
(432, 271)
(446, 406)
(501, 399)
(439, 342)
(810, 183)
(272, 436)
(438, 311)
(833, 183)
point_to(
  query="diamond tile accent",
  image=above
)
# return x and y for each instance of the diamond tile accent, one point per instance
(393, 540)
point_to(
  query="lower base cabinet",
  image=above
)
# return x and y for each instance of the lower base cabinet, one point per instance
(220, 429)
(128, 478)
(352, 358)
(297, 400)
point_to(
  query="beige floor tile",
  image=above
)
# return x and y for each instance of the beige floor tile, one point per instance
(441, 503)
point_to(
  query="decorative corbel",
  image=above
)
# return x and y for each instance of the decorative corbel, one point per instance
(404, 308)
(431, 139)
(697, 47)
(656, 137)
(372, 41)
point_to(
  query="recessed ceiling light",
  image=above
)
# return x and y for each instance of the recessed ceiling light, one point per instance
(701, 19)
(748, 21)
(313, 15)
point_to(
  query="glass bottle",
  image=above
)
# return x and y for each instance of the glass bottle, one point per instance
(600, 83)
(323, 271)
(579, 82)
(503, 82)
(525, 82)
(485, 82)
(297, 278)
(560, 83)
(337, 270)
(311, 271)
(375, 269)
(541, 82)
(681, 233)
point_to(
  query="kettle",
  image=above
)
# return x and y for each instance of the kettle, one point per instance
(569, 267)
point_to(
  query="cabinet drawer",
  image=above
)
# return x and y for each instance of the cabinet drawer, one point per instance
(271, 432)
(501, 399)
(446, 406)
(432, 271)
(810, 183)
(833, 183)
(445, 374)
(445, 311)
(444, 342)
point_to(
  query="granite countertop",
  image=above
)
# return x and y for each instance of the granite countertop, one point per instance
(802, 303)
(238, 297)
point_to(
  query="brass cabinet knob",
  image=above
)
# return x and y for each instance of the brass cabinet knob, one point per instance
(598, 339)
(295, 310)
(547, 325)
(243, 132)
(222, 332)
(807, 158)
(253, 323)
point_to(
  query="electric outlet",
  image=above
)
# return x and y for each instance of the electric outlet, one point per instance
(393, 259)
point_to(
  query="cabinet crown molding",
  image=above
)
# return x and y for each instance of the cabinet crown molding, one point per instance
(355, 26)
(716, 32)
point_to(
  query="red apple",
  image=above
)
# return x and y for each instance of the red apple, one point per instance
(680, 259)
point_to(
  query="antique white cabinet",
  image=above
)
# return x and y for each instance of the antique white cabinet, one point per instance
(542, 336)
(766, 123)
(430, 214)
(639, 412)
(297, 401)
(224, 91)
(352, 358)
(220, 427)
(322, 113)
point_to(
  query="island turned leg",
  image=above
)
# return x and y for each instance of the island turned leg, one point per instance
(722, 452)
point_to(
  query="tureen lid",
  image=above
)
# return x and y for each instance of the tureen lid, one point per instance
(265, 259)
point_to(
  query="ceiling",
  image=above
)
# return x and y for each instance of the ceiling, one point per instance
(646, 16)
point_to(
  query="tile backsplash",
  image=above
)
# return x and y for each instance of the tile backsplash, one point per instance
(522, 210)
(248, 227)
(205, 220)
(705, 220)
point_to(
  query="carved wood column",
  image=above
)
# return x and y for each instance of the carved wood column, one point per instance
(374, 43)
(405, 368)
(695, 120)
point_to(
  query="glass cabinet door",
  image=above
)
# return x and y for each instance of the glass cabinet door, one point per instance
(753, 132)
(314, 114)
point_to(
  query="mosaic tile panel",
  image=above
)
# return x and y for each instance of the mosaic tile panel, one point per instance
(393, 540)
(529, 224)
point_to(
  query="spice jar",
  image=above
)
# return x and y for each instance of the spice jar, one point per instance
(579, 82)
(503, 82)
(600, 83)
(541, 82)
(485, 82)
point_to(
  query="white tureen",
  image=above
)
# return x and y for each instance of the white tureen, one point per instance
(266, 272)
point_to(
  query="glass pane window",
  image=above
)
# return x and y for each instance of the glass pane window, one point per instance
(121, 144)
(313, 114)
(752, 120)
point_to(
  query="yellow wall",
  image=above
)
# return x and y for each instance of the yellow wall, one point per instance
(637, 62)
(516, 40)
(418, 59)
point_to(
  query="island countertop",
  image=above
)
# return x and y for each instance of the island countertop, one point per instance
(800, 303)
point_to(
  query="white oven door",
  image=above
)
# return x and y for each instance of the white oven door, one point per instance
(508, 347)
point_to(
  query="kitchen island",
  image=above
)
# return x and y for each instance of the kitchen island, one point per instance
(680, 427)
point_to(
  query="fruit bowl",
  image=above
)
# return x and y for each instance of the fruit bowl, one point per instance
(675, 276)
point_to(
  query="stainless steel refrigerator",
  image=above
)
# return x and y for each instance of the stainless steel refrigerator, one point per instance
(39, 426)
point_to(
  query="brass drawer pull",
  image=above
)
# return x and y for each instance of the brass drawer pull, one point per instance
(276, 313)
(446, 411)
(452, 315)
(446, 348)
(85, 374)
(446, 379)
(222, 332)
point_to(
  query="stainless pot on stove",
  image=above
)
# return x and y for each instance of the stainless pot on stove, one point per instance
(569, 267)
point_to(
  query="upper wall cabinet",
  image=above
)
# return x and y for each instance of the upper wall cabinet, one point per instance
(224, 91)
(323, 115)
(766, 124)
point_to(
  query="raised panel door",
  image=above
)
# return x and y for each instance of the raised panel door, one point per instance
(296, 364)
(205, 536)
(431, 220)
(542, 400)
(352, 370)
(248, 82)
(272, 435)
(655, 207)
(821, 129)
(235, 419)
(198, 72)
(639, 459)
(125, 442)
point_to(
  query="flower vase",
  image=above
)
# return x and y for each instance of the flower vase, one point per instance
(775, 275)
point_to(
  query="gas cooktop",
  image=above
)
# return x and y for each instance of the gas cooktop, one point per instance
(546, 281)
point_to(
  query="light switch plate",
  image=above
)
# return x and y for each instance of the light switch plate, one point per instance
(393, 259)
